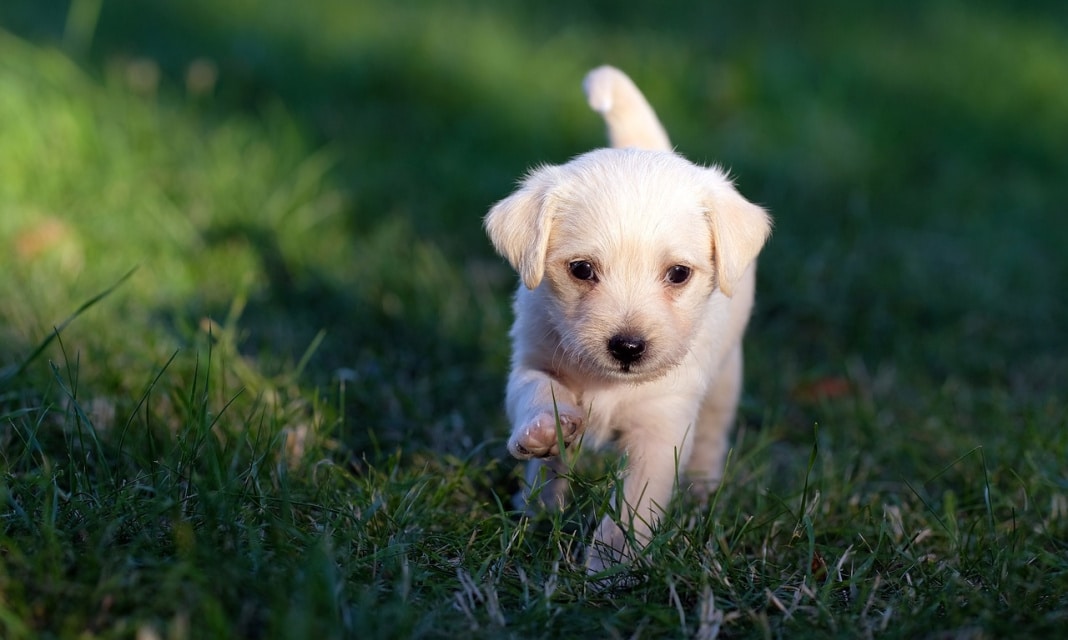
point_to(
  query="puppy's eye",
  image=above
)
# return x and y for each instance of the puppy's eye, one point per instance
(678, 274)
(582, 270)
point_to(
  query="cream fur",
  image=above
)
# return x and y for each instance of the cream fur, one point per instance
(628, 357)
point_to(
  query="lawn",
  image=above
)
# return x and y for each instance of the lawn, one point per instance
(253, 340)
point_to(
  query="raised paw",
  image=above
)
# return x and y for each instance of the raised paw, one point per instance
(538, 438)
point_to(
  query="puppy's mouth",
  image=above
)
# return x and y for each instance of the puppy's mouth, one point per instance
(624, 357)
(633, 358)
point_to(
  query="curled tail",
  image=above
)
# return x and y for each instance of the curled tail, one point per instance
(631, 121)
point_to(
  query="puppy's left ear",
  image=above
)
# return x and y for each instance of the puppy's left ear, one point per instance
(519, 225)
(739, 230)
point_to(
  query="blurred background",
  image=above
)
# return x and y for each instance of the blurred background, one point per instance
(307, 181)
(253, 340)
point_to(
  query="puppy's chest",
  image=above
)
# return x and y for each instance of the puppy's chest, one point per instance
(664, 410)
(609, 414)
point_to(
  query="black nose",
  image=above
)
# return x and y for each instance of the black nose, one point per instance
(626, 349)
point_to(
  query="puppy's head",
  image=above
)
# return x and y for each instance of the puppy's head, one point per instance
(628, 245)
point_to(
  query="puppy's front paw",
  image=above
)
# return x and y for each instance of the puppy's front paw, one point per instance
(537, 438)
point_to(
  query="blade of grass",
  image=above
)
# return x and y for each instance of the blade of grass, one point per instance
(8, 376)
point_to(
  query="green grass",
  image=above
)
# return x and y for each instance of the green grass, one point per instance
(253, 340)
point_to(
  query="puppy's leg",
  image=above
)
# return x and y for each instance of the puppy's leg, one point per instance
(718, 410)
(653, 462)
(544, 413)
(545, 484)
(538, 405)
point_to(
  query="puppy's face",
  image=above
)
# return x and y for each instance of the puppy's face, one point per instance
(628, 246)
(629, 265)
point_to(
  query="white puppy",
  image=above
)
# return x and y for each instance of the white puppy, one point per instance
(637, 271)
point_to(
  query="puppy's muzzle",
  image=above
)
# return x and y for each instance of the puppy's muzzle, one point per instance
(626, 349)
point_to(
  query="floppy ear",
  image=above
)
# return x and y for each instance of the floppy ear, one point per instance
(739, 230)
(519, 225)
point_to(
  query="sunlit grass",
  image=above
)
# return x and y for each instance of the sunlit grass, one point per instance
(276, 411)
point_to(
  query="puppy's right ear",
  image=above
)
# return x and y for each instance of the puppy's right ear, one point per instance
(739, 230)
(519, 225)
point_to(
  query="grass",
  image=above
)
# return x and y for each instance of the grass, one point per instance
(253, 340)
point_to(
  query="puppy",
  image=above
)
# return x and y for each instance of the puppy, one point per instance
(637, 278)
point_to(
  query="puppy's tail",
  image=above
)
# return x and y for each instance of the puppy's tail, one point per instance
(631, 121)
